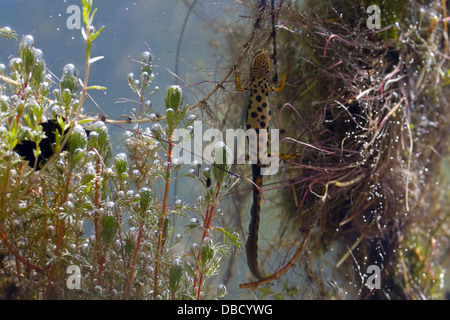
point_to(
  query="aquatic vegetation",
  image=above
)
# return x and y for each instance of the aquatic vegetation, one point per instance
(366, 109)
(363, 116)
(78, 222)
(7, 33)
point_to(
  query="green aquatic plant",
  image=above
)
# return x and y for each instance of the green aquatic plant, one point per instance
(7, 33)
(83, 223)
(363, 116)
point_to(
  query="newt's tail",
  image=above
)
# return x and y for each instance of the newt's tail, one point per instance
(251, 246)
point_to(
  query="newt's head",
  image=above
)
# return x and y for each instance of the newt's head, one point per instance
(261, 64)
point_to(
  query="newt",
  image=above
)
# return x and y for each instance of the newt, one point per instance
(258, 118)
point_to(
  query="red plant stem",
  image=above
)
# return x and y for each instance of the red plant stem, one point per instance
(331, 37)
(160, 247)
(97, 204)
(100, 269)
(208, 219)
(17, 255)
(61, 227)
(60, 237)
(133, 264)
(388, 115)
(101, 258)
(60, 231)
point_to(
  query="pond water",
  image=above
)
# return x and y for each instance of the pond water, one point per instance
(131, 27)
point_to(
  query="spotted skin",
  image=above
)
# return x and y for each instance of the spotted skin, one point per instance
(258, 117)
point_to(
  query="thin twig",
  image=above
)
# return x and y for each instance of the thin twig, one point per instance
(160, 245)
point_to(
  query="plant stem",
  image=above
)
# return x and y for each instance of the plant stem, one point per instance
(17, 255)
(100, 268)
(198, 281)
(4, 199)
(141, 103)
(133, 264)
(60, 231)
(97, 205)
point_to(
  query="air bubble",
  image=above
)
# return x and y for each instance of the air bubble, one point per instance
(146, 58)
(178, 262)
(98, 289)
(208, 242)
(221, 290)
(15, 64)
(84, 248)
(39, 55)
(69, 70)
(194, 248)
(145, 78)
(27, 41)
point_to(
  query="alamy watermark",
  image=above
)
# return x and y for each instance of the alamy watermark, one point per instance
(74, 280)
(235, 139)
(374, 277)
(74, 20)
(190, 150)
(374, 20)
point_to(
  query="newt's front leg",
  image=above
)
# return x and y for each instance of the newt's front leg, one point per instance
(281, 87)
(238, 83)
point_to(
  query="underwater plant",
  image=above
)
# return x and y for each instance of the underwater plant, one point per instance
(364, 208)
(359, 208)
